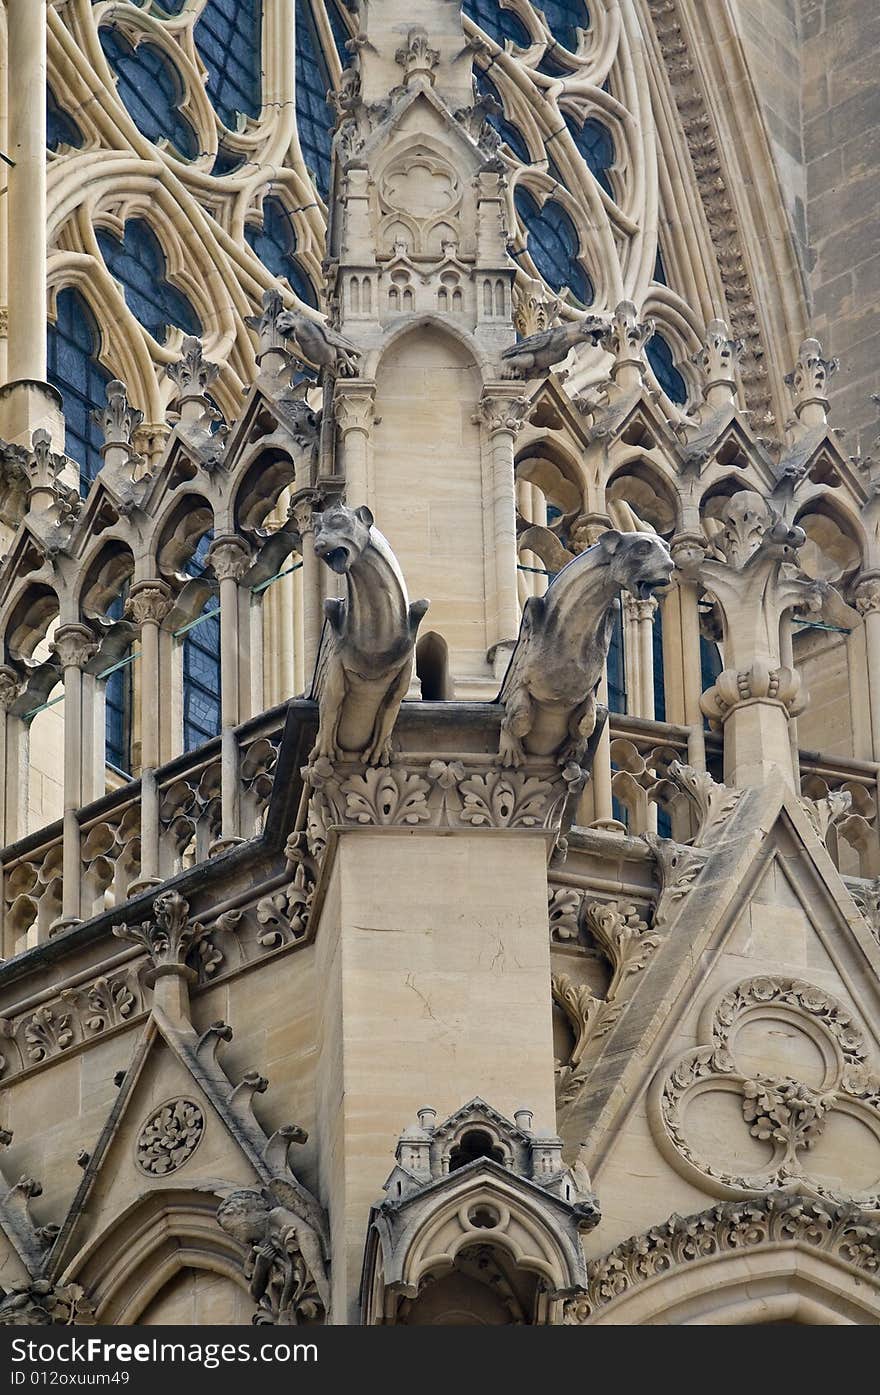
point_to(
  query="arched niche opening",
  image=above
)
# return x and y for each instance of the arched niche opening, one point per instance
(102, 599)
(432, 667)
(428, 478)
(640, 498)
(484, 1287)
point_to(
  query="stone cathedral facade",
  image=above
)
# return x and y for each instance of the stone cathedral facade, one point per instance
(439, 662)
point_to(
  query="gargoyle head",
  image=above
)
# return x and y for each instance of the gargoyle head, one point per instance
(640, 563)
(342, 534)
(243, 1215)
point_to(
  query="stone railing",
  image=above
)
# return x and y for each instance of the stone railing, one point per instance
(109, 834)
(841, 796)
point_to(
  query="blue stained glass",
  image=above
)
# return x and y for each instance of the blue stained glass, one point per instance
(660, 269)
(341, 31)
(615, 666)
(553, 245)
(564, 18)
(73, 345)
(201, 665)
(275, 245)
(228, 36)
(117, 703)
(506, 129)
(138, 262)
(227, 161)
(659, 680)
(169, 7)
(659, 355)
(151, 89)
(61, 129)
(594, 141)
(499, 23)
(312, 85)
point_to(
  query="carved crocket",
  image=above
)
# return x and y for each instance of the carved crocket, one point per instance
(365, 661)
(549, 690)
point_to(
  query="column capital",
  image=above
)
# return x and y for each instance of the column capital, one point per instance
(11, 687)
(640, 610)
(149, 602)
(353, 403)
(229, 557)
(74, 645)
(502, 408)
(866, 594)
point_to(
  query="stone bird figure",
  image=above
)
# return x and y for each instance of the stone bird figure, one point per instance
(539, 352)
(319, 344)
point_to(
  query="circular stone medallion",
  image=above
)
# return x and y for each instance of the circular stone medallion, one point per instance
(169, 1137)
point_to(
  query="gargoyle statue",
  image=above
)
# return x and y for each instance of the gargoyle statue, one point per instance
(549, 690)
(320, 345)
(365, 660)
(537, 353)
(285, 1266)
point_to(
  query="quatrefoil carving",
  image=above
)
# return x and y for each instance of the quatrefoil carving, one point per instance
(736, 1129)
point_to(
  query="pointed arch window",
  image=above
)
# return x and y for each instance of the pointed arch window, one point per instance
(117, 703)
(659, 355)
(553, 245)
(275, 245)
(312, 85)
(498, 22)
(151, 89)
(61, 129)
(228, 36)
(72, 349)
(201, 664)
(138, 263)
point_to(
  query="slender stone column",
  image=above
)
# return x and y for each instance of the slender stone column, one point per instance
(75, 645)
(640, 617)
(867, 600)
(27, 189)
(149, 603)
(502, 409)
(302, 509)
(229, 557)
(13, 735)
(353, 401)
(688, 551)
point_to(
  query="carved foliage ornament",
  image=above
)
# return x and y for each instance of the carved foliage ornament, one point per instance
(786, 1114)
(169, 1137)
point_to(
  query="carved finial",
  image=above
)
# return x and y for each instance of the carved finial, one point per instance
(716, 361)
(746, 520)
(266, 324)
(417, 58)
(192, 373)
(118, 420)
(626, 336)
(809, 383)
(169, 937)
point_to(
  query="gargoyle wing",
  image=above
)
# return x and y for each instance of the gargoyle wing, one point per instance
(339, 341)
(534, 343)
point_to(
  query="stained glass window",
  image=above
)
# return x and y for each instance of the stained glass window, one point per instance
(201, 665)
(229, 40)
(275, 245)
(151, 89)
(659, 355)
(341, 32)
(506, 129)
(564, 18)
(498, 22)
(138, 262)
(594, 141)
(553, 245)
(615, 668)
(117, 703)
(312, 84)
(73, 345)
(659, 681)
(61, 129)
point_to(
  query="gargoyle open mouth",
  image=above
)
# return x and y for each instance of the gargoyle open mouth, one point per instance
(336, 558)
(646, 587)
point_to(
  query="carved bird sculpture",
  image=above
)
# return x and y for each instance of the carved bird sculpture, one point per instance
(319, 344)
(539, 352)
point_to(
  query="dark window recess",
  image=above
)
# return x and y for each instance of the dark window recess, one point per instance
(660, 269)
(564, 18)
(498, 22)
(229, 40)
(117, 704)
(476, 1143)
(553, 245)
(596, 144)
(312, 84)
(275, 245)
(341, 31)
(227, 161)
(659, 355)
(151, 89)
(201, 665)
(659, 683)
(61, 129)
(710, 666)
(73, 345)
(615, 669)
(138, 262)
(506, 129)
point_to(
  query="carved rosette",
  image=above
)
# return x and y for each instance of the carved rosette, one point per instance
(788, 1116)
(169, 1137)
